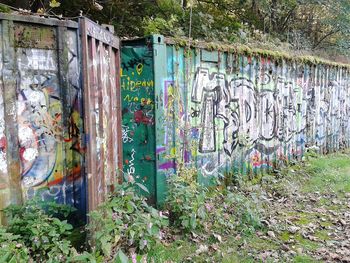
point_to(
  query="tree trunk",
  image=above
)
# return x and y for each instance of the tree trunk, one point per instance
(273, 15)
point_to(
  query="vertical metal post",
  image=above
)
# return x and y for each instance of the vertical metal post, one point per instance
(10, 105)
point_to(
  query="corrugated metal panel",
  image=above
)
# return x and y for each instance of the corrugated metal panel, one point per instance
(43, 143)
(229, 114)
(103, 113)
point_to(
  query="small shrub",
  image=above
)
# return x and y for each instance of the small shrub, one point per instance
(126, 220)
(59, 211)
(11, 248)
(186, 200)
(311, 152)
(232, 211)
(160, 25)
(247, 213)
(46, 236)
(221, 213)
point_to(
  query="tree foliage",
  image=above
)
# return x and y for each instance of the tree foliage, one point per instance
(313, 25)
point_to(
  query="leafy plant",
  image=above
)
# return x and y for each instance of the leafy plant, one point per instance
(46, 236)
(311, 152)
(58, 210)
(4, 9)
(249, 219)
(160, 25)
(126, 220)
(221, 216)
(11, 248)
(186, 200)
(230, 211)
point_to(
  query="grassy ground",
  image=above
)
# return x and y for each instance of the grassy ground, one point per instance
(305, 211)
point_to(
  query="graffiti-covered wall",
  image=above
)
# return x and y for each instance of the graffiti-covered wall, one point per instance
(40, 114)
(231, 114)
(138, 124)
(102, 122)
(59, 111)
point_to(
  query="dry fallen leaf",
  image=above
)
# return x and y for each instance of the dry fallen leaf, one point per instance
(293, 229)
(202, 249)
(271, 234)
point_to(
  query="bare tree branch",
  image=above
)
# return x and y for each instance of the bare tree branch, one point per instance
(324, 37)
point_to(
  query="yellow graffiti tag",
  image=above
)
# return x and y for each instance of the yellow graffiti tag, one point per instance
(139, 68)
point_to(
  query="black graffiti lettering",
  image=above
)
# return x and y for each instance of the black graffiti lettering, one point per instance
(194, 113)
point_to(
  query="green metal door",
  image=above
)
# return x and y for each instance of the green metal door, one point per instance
(138, 125)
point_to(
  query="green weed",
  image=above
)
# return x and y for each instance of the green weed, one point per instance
(186, 201)
(45, 235)
(125, 221)
(12, 249)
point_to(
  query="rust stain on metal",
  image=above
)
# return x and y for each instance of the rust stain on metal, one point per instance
(102, 120)
(29, 36)
(41, 126)
(43, 143)
(95, 31)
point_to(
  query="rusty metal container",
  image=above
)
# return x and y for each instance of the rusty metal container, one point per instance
(229, 115)
(101, 66)
(47, 101)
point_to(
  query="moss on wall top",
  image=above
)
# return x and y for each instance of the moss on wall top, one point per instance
(241, 49)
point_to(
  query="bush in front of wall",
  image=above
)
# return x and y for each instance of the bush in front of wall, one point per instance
(44, 235)
(186, 200)
(193, 207)
(12, 248)
(126, 221)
